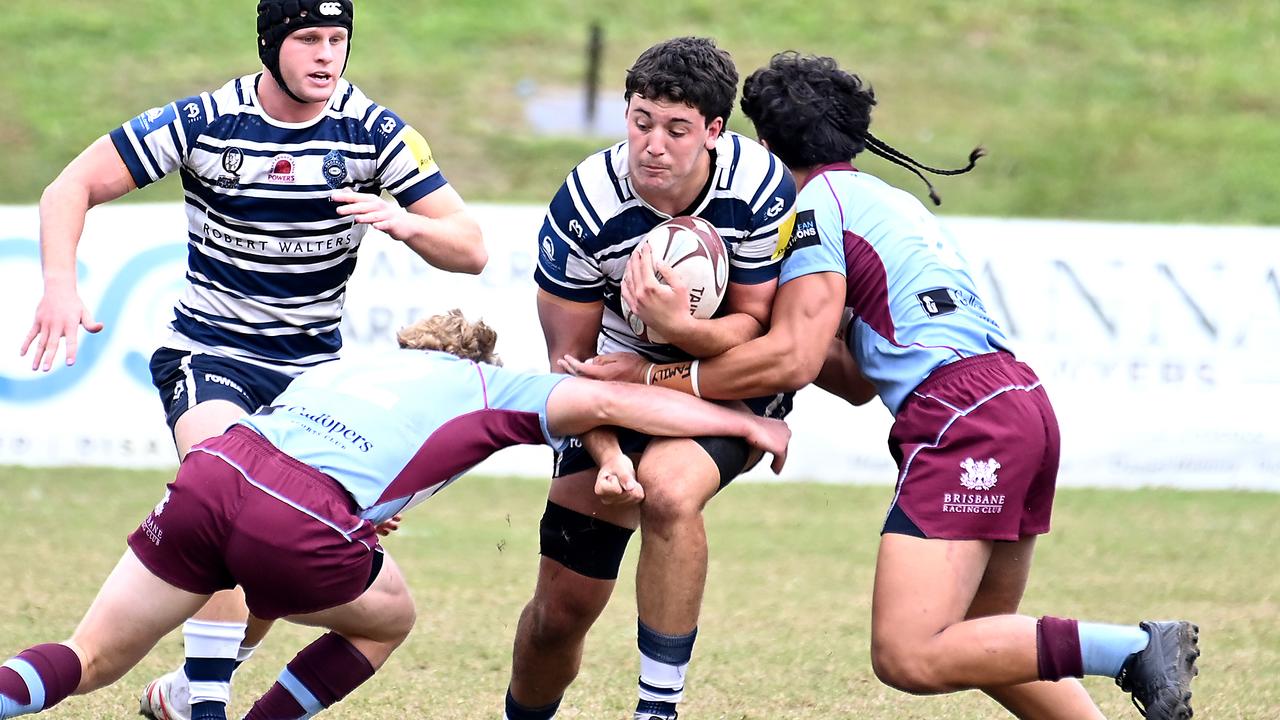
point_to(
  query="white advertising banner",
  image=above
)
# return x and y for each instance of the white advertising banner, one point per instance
(1160, 345)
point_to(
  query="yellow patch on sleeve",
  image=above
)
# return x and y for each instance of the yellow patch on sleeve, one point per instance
(785, 230)
(420, 149)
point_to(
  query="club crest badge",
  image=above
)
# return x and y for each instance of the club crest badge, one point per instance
(979, 474)
(335, 169)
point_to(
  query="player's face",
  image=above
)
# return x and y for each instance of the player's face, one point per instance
(312, 60)
(668, 144)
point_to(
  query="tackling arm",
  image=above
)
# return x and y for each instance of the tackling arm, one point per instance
(787, 357)
(577, 405)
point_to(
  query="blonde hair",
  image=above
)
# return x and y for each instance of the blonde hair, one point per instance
(452, 333)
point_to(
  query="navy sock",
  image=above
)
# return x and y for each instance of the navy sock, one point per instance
(516, 711)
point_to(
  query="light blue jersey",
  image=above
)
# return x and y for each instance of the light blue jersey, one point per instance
(915, 305)
(397, 427)
(268, 255)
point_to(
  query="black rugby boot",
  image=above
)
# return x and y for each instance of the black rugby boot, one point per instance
(1159, 677)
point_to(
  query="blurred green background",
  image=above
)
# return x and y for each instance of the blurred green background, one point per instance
(1149, 110)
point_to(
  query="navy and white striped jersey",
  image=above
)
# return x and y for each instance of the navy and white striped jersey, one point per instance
(268, 254)
(596, 220)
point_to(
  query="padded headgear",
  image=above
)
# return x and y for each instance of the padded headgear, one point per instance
(278, 18)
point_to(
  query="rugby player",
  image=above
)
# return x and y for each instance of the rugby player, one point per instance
(285, 505)
(678, 159)
(282, 172)
(975, 437)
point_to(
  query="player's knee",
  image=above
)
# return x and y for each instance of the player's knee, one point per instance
(587, 546)
(903, 668)
(399, 620)
(670, 501)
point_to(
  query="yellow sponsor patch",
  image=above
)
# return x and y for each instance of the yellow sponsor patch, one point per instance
(420, 149)
(784, 235)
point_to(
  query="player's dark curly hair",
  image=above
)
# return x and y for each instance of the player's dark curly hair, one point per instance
(812, 113)
(690, 70)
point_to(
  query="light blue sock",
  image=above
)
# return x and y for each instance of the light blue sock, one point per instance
(1104, 648)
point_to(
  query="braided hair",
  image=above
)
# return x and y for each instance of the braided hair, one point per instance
(812, 113)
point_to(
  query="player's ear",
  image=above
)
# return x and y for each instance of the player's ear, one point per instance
(714, 128)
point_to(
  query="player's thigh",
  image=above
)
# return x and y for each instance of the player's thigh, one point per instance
(384, 613)
(679, 474)
(576, 491)
(203, 421)
(923, 586)
(132, 611)
(1005, 579)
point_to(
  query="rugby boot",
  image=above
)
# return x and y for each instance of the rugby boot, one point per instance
(1159, 676)
(168, 697)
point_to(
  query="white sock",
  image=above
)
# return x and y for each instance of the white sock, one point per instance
(208, 642)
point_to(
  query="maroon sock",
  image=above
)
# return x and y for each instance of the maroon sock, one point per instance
(329, 668)
(58, 668)
(1058, 648)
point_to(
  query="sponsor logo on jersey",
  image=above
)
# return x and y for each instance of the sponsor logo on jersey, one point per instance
(282, 169)
(152, 120)
(548, 248)
(978, 476)
(784, 236)
(937, 302)
(331, 428)
(335, 169)
(232, 160)
(418, 146)
(803, 233)
(775, 208)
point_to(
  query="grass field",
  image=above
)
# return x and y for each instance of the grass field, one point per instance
(785, 625)
(1154, 110)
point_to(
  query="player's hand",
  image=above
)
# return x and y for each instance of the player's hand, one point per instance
(771, 436)
(369, 209)
(386, 527)
(616, 482)
(655, 293)
(616, 367)
(59, 316)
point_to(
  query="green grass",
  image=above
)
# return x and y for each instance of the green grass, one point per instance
(784, 632)
(1157, 110)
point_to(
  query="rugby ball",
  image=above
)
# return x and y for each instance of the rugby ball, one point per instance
(696, 252)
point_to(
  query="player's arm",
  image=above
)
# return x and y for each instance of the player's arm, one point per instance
(437, 226)
(571, 328)
(577, 405)
(96, 176)
(789, 356)
(841, 376)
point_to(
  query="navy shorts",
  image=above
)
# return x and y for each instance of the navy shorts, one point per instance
(185, 379)
(730, 454)
(977, 450)
(241, 512)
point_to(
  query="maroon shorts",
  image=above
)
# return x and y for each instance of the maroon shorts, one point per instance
(241, 512)
(977, 451)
